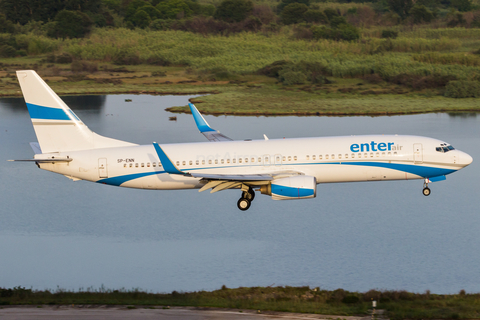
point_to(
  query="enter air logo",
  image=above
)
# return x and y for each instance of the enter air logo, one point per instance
(374, 146)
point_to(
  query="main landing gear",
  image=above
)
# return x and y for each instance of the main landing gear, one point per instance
(246, 200)
(426, 190)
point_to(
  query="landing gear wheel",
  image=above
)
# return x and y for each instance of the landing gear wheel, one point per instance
(426, 191)
(250, 194)
(243, 204)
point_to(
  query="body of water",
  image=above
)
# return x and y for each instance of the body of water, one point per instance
(355, 236)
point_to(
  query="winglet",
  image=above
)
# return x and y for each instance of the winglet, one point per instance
(205, 129)
(166, 162)
(202, 124)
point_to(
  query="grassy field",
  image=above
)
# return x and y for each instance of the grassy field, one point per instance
(225, 68)
(398, 304)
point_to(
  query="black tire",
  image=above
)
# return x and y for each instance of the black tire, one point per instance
(243, 204)
(250, 194)
(426, 191)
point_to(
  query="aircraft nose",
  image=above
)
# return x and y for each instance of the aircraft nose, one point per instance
(465, 159)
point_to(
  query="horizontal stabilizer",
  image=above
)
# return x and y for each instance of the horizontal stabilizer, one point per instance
(46, 160)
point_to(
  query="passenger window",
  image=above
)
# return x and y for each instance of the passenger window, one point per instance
(308, 157)
(333, 156)
(239, 160)
(295, 158)
(395, 152)
(339, 156)
(222, 161)
(216, 161)
(353, 155)
(203, 161)
(143, 165)
(284, 158)
(359, 155)
(289, 158)
(178, 163)
(190, 162)
(260, 159)
(326, 156)
(154, 164)
(183, 163)
(124, 165)
(365, 155)
(389, 153)
(246, 160)
(383, 154)
(136, 165)
(371, 154)
(148, 164)
(346, 155)
(313, 157)
(234, 160)
(131, 165)
(320, 157)
(197, 162)
(377, 154)
(228, 160)
(209, 161)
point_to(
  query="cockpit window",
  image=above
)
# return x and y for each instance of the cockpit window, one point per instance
(444, 148)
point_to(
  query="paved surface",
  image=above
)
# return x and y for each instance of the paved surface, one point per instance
(174, 313)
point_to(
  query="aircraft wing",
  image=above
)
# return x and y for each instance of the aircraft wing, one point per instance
(220, 182)
(202, 125)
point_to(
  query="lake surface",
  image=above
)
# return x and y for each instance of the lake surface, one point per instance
(355, 236)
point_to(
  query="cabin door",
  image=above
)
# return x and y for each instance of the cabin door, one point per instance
(102, 168)
(417, 153)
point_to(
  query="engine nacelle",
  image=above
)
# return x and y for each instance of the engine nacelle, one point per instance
(297, 187)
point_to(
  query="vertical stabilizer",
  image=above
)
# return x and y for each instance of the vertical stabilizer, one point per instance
(58, 129)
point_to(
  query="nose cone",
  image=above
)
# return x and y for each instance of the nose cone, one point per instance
(465, 159)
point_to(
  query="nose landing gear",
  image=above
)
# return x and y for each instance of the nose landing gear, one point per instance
(426, 190)
(246, 200)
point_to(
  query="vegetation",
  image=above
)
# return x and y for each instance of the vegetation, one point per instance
(385, 56)
(397, 304)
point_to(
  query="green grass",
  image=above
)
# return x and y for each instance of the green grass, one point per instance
(397, 304)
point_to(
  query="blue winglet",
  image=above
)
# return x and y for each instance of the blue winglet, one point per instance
(202, 125)
(166, 162)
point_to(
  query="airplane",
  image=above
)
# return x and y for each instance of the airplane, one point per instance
(284, 169)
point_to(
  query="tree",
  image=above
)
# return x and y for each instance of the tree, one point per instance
(420, 14)
(285, 3)
(71, 24)
(141, 19)
(234, 10)
(401, 7)
(174, 9)
(6, 26)
(462, 5)
(316, 16)
(294, 13)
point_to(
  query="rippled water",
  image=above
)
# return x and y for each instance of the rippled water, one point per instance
(356, 236)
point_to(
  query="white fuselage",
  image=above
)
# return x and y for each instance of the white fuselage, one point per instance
(328, 159)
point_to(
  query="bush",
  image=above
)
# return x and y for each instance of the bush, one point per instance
(462, 89)
(126, 58)
(351, 299)
(330, 13)
(71, 24)
(418, 82)
(294, 13)
(389, 34)
(274, 68)
(234, 10)
(83, 66)
(315, 16)
(64, 58)
(292, 77)
(421, 14)
(7, 51)
(141, 19)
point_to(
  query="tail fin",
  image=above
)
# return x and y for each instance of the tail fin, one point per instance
(58, 129)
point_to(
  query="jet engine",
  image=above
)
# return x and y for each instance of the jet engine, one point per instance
(290, 188)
